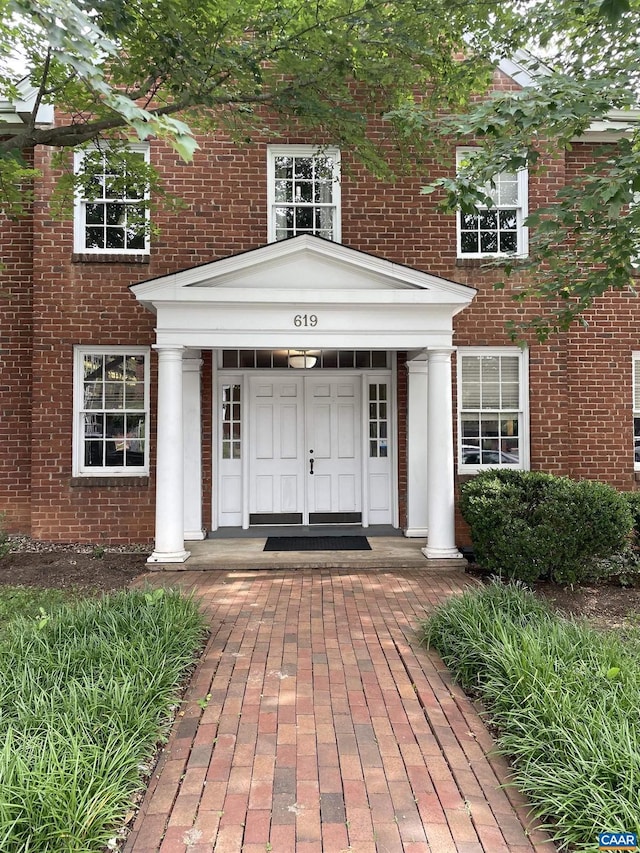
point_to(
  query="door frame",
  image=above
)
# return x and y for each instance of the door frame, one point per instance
(241, 376)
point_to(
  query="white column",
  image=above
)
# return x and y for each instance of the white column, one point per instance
(417, 449)
(441, 543)
(192, 427)
(169, 547)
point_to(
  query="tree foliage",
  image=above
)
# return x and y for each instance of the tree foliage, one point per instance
(587, 239)
(171, 68)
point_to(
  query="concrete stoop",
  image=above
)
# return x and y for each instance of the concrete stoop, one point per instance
(248, 555)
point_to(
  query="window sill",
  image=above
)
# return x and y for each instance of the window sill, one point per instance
(139, 482)
(489, 261)
(124, 258)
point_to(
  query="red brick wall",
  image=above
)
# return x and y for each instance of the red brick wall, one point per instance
(580, 383)
(15, 372)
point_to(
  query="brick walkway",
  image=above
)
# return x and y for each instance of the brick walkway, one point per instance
(326, 727)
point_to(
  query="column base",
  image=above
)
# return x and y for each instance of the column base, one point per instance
(194, 535)
(169, 557)
(441, 553)
(416, 532)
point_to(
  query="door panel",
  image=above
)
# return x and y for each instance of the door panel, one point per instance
(333, 442)
(275, 475)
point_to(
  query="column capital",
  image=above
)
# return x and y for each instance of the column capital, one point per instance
(440, 353)
(162, 348)
(418, 366)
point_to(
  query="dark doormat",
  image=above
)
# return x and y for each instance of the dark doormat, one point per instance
(317, 543)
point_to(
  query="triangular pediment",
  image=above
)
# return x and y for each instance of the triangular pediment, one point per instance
(304, 264)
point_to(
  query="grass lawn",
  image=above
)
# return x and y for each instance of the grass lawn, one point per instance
(564, 699)
(87, 690)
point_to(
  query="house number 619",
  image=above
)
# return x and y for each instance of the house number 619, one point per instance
(305, 320)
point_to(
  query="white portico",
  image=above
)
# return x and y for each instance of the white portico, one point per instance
(304, 294)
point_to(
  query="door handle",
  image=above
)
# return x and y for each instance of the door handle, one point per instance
(311, 465)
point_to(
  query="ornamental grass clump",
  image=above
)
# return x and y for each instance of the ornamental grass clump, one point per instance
(564, 699)
(86, 694)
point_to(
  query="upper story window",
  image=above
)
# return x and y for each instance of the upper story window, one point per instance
(111, 212)
(111, 411)
(303, 192)
(497, 230)
(492, 408)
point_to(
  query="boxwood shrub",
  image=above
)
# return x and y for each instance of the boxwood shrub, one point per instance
(530, 525)
(633, 499)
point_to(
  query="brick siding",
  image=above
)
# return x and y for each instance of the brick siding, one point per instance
(580, 382)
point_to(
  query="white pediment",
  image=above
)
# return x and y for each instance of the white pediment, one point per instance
(302, 265)
(301, 293)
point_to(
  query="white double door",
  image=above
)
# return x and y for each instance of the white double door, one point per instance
(305, 464)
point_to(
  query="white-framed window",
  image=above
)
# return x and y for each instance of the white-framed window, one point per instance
(493, 417)
(111, 213)
(303, 184)
(636, 410)
(111, 410)
(497, 230)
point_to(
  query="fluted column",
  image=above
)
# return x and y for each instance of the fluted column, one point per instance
(169, 539)
(441, 543)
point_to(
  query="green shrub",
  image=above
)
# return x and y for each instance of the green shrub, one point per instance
(633, 500)
(530, 525)
(564, 700)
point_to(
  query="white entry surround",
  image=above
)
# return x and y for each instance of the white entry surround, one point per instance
(306, 293)
(305, 447)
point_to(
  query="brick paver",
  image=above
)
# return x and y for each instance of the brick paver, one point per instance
(316, 722)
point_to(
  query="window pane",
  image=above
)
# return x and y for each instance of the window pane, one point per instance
(508, 241)
(488, 242)
(507, 189)
(304, 218)
(304, 167)
(283, 190)
(488, 220)
(93, 395)
(508, 220)
(93, 426)
(470, 426)
(94, 454)
(134, 395)
(94, 238)
(94, 214)
(284, 167)
(115, 238)
(113, 395)
(115, 214)
(469, 242)
(304, 192)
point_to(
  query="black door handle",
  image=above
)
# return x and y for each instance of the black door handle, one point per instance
(311, 465)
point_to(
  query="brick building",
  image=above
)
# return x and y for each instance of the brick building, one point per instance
(299, 344)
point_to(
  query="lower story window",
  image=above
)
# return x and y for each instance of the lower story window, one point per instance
(111, 410)
(492, 395)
